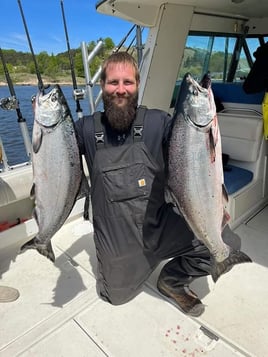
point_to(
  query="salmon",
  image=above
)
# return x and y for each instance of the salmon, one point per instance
(57, 169)
(195, 172)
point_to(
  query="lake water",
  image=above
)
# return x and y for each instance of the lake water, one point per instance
(10, 131)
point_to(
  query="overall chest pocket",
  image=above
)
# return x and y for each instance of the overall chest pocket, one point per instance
(126, 182)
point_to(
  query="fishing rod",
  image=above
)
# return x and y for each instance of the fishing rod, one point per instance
(117, 48)
(77, 93)
(38, 74)
(13, 103)
(93, 53)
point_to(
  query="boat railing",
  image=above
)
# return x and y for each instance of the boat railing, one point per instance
(92, 80)
(3, 156)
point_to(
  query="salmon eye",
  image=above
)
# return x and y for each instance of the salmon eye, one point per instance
(54, 97)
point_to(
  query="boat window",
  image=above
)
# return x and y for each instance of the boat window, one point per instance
(207, 53)
(253, 44)
(243, 67)
(227, 58)
(214, 54)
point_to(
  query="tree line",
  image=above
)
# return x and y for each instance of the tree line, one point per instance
(53, 66)
(58, 66)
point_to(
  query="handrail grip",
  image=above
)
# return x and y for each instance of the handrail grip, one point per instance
(232, 109)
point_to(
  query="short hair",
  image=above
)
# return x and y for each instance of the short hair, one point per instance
(120, 57)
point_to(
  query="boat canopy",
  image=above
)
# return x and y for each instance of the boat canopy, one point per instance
(145, 13)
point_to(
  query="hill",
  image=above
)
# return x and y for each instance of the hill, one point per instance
(52, 68)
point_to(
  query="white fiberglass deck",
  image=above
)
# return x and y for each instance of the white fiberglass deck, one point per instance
(59, 312)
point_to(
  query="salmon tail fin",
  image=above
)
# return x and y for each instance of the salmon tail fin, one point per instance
(235, 257)
(44, 249)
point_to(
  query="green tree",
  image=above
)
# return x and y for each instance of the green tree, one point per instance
(42, 60)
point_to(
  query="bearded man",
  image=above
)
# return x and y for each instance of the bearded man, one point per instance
(125, 148)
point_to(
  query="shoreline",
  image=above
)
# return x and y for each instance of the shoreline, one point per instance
(62, 83)
(30, 82)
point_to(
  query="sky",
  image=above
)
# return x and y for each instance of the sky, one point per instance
(46, 29)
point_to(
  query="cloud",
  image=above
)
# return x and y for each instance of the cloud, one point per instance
(17, 40)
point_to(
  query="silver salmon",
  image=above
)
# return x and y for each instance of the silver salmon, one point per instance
(57, 168)
(195, 172)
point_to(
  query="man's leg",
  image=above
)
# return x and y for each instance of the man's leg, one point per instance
(178, 273)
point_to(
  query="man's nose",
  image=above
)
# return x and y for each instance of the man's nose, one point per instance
(121, 89)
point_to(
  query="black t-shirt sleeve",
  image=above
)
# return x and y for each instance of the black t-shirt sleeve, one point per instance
(157, 127)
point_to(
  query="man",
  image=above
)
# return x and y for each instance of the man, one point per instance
(257, 79)
(135, 229)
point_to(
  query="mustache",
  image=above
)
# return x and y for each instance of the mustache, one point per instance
(120, 118)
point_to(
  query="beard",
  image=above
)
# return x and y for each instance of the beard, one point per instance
(120, 118)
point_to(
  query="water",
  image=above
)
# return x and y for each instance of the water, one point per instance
(10, 131)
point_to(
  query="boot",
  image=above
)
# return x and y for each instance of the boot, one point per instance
(187, 301)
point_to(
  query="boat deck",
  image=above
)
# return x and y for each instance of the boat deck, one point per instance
(59, 312)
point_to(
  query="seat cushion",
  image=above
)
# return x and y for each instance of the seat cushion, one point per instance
(235, 178)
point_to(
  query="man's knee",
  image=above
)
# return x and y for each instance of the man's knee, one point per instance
(116, 296)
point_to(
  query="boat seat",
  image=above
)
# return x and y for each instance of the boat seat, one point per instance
(234, 93)
(236, 178)
(243, 142)
(242, 134)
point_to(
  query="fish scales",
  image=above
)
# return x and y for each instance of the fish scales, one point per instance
(57, 176)
(194, 189)
(196, 173)
(57, 168)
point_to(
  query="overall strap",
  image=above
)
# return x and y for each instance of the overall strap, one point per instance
(138, 127)
(99, 132)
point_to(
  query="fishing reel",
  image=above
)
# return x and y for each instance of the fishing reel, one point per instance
(79, 94)
(9, 103)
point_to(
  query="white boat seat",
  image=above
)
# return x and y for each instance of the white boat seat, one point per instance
(242, 135)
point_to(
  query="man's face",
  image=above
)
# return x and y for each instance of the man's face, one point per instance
(120, 95)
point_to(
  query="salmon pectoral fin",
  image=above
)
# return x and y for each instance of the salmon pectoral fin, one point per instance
(226, 217)
(235, 257)
(212, 145)
(32, 192)
(225, 194)
(37, 140)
